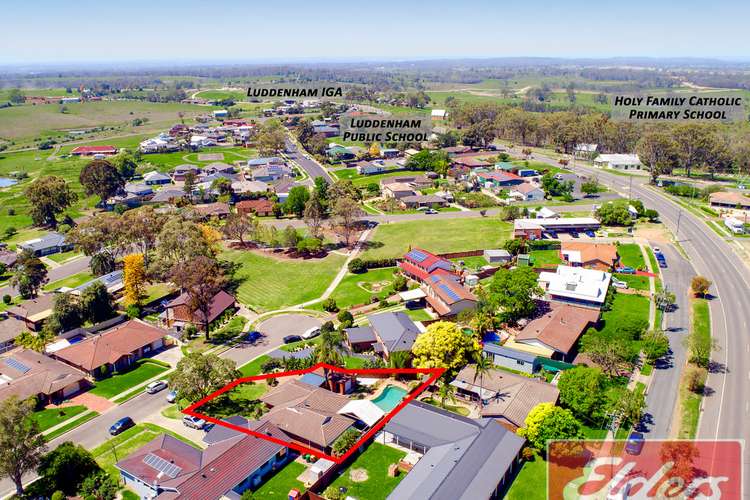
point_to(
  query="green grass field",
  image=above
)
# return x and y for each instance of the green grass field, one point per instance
(531, 481)
(269, 283)
(633, 281)
(439, 236)
(545, 258)
(277, 486)
(357, 289)
(631, 255)
(116, 384)
(50, 417)
(375, 460)
(71, 281)
(624, 305)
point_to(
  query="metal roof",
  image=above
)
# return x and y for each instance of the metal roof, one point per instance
(506, 352)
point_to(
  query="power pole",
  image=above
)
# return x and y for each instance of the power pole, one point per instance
(679, 217)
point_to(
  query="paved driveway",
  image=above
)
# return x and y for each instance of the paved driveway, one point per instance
(272, 330)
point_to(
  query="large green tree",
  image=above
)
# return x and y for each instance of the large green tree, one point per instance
(443, 345)
(582, 391)
(96, 303)
(65, 468)
(546, 422)
(101, 178)
(513, 292)
(201, 279)
(49, 196)
(21, 444)
(29, 274)
(197, 375)
(296, 200)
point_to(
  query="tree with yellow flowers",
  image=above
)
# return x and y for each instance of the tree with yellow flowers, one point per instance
(134, 278)
(375, 150)
(443, 345)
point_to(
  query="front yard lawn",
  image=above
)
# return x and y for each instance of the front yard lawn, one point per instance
(253, 367)
(121, 382)
(50, 417)
(635, 282)
(631, 256)
(545, 258)
(624, 305)
(278, 486)
(269, 283)
(531, 481)
(375, 460)
(438, 236)
(71, 281)
(64, 256)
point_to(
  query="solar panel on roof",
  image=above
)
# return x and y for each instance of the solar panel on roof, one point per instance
(450, 292)
(417, 255)
(16, 365)
(162, 465)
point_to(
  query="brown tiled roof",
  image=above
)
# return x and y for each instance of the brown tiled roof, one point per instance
(261, 205)
(306, 411)
(111, 345)
(516, 395)
(730, 197)
(590, 252)
(32, 373)
(525, 188)
(208, 209)
(559, 327)
(33, 307)
(222, 301)
(11, 328)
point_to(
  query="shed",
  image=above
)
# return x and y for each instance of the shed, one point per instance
(497, 256)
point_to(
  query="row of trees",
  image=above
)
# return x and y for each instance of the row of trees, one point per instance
(661, 147)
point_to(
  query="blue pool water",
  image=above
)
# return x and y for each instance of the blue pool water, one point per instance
(491, 337)
(389, 398)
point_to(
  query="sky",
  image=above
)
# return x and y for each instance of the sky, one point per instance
(39, 31)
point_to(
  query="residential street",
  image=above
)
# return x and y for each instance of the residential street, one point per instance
(57, 273)
(310, 166)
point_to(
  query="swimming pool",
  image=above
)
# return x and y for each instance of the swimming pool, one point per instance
(389, 398)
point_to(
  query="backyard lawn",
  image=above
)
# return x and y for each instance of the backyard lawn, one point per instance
(375, 461)
(531, 481)
(118, 383)
(269, 283)
(278, 486)
(356, 289)
(51, 417)
(631, 255)
(624, 305)
(71, 281)
(545, 258)
(438, 236)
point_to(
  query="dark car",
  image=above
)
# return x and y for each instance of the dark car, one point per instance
(121, 425)
(253, 336)
(590, 234)
(574, 234)
(292, 338)
(625, 270)
(662, 262)
(635, 443)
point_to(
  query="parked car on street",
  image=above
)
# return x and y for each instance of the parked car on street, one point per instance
(635, 443)
(121, 425)
(430, 212)
(156, 386)
(310, 333)
(253, 336)
(171, 396)
(193, 422)
(590, 234)
(292, 338)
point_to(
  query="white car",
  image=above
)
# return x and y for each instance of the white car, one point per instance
(156, 386)
(312, 332)
(619, 284)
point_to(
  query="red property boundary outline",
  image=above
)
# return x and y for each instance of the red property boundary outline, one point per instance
(434, 372)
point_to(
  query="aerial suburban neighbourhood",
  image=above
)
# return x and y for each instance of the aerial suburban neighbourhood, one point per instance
(283, 261)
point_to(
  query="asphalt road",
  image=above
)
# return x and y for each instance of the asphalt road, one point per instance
(57, 273)
(312, 167)
(726, 407)
(662, 396)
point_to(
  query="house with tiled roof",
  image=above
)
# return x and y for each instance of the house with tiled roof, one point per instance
(419, 264)
(115, 349)
(497, 180)
(25, 373)
(261, 207)
(506, 396)
(557, 328)
(167, 468)
(177, 314)
(526, 192)
(387, 332)
(446, 295)
(601, 256)
(33, 312)
(217, 209)
(93, 150)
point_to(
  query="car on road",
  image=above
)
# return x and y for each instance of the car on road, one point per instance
(156, 386)
(635, 443)
(552, 234)
(662, 262)
(657, 250)
(254, 335)
(573, 234)
(619, 284)
(121, 425)
(430, 211)
(171, 396)
(625, 270)
(310, 333)
(590, 234)
(193, 422)
(292, 338)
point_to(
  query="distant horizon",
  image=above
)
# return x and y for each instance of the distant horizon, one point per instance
(42, 32)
